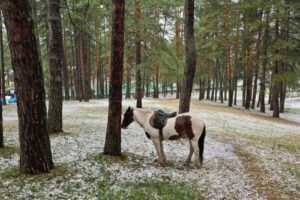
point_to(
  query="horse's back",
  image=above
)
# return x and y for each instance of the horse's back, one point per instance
(184, 125)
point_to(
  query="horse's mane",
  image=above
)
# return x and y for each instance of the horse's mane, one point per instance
(144, 110)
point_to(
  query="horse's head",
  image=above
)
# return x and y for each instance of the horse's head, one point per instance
(128, 117)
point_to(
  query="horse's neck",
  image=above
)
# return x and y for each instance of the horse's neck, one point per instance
(142, 116)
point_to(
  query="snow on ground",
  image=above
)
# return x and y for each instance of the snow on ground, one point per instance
(225, 174)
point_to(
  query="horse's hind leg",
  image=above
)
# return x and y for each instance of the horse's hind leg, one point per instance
(196, 152)
(189, 158)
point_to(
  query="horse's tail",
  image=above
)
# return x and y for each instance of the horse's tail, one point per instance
(201, 144)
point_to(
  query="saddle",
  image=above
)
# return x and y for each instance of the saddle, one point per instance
(159, 120)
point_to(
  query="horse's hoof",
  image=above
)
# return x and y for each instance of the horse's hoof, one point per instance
(160, 164)
(198, 166)
(156, 160)
(187, 163)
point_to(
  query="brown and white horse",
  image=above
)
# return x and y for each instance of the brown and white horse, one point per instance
(185, 125)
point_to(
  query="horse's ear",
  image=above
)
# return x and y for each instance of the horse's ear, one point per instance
(128, 109)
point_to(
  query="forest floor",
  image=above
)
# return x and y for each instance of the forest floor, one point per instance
(248, 155)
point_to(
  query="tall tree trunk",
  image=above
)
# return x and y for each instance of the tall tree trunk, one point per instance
(237, 58)
(35, 19)
(276, 72)
(244, 54)
(217, 79)
(221, 84)
(190, 60)
(72, 78)
(128, 81)
(202, 88)
(265, 45)
(227, 46)
(56, 58)
(248, 77)
(208, 81)
(78, 77)
(97, 67)
(1, 81)
(257, 65)
(35, 155)
(65, 69)
(87, 78)
(113, 131)
(213, 86)
(2, 63)
(156, 81)
(283, 63)
(147, 87)
(178, 49)
(138, 46)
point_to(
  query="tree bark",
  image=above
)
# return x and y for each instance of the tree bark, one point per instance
(113, 131)
(1, 82)
(56, 58)
(128, 81)
(2, 62)
(248, 77)
(65, 69)
(221, 84)
(35, 155)
(138, 46)
(276, 72)
(237, 58)
(190, 60)
(217, 79)
(208, 81)
(265, 45)
(227, 46)
(178, 49)
(257, 64)
(78, 81)
(213, 86)
(97, 67)
(283, 63)
(73, 73)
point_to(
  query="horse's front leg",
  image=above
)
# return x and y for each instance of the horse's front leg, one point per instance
(156, 142)
(162, 150)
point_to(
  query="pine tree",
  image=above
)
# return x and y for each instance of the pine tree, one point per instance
(113, 131)
(190, 54)
(35, 156)
(56, 60)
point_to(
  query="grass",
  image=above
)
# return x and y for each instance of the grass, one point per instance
(106, 186)
(8, 151)
(10, 107)
(15, 173)
(10, 126)
(162, 188)
(13, 177)
(288, 142)
(59, 134)
(148, 189)
(292, 110)
(97, 111)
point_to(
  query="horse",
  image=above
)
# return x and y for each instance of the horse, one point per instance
(184, 125)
